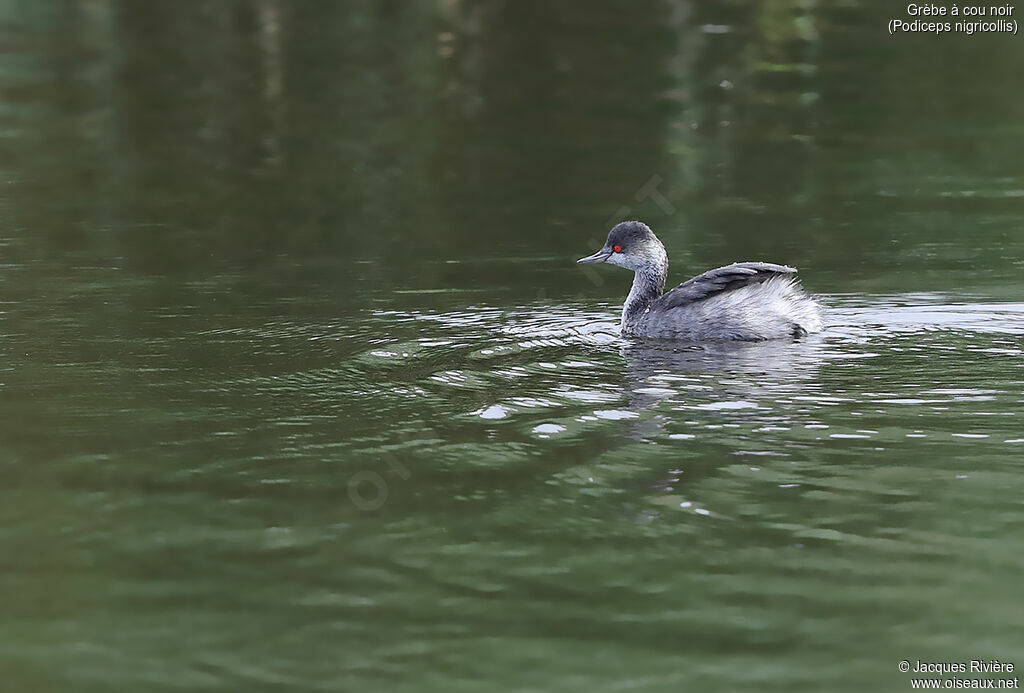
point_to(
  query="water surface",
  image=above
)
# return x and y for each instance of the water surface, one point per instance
(301, 389)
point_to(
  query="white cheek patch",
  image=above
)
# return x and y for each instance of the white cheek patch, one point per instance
(618, 259)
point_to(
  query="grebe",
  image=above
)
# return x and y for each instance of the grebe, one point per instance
(741, 301)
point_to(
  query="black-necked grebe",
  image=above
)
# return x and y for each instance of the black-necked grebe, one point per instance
(741, 301)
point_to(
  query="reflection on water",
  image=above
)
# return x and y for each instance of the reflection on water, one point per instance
(576, 360)
(301, 388)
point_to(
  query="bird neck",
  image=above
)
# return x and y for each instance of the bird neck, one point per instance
(648, 286)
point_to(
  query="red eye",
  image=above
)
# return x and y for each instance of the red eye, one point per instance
(617, 248)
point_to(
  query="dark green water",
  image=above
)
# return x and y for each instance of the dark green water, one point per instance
(300, 388)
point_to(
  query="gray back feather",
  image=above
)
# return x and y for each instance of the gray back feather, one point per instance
(720, 280)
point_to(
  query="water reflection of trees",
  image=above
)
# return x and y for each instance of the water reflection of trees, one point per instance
(256, 125)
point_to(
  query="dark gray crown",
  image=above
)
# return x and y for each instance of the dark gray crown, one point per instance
(630, 234)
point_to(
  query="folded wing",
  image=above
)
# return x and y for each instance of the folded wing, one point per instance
(720, 280)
